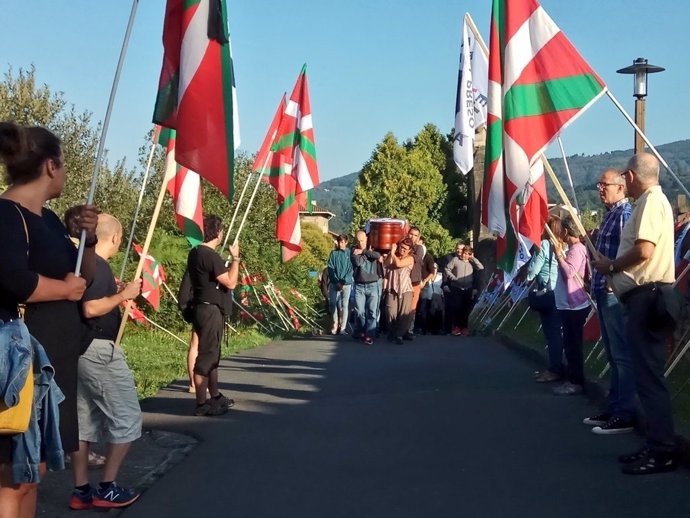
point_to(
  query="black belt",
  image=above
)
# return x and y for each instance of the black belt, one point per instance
(644, 288)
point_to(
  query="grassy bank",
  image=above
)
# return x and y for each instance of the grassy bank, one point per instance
(157, 359)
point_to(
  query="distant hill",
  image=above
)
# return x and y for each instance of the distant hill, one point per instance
(336, 194)
(587, 169)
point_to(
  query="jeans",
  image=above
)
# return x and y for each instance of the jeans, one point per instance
(621, 401)
(573, 321)
(366, 307)
(551, 327)
(648, 348)
(461, 306)
(339, 302)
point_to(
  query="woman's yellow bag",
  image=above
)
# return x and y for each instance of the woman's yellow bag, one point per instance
(15, 419)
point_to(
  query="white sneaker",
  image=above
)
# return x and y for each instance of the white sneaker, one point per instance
(568, 389)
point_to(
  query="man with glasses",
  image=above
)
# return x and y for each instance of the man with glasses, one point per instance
(620, 412)
(642, 270)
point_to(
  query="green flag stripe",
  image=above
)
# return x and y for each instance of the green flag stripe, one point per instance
(287, 203)
(567, 93)
(285, 141)
(192, 232)
(308, 147)
(166, 99)
(494, 146)
(507, 262)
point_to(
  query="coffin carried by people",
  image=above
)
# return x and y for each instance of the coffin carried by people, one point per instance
(384, 232)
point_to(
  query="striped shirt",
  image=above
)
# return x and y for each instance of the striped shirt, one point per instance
(609, 237)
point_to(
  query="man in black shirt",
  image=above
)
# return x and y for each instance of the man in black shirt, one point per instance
(107, 402)
(212, 283)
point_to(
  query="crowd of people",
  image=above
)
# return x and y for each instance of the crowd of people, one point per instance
(401, 292)
(630, 286)
(59, 328)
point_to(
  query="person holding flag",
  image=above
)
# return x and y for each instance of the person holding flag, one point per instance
(211, 280)
(37, 269)
(107, 402)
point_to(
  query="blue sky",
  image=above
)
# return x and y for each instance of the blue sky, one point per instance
(374, 65)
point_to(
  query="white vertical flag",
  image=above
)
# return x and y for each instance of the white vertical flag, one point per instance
(471, 102)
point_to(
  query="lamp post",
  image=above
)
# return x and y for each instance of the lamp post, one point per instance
(640, 69)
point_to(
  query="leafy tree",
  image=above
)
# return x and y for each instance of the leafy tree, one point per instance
(405, 182)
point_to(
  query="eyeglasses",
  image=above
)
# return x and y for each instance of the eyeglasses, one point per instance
(603, 185)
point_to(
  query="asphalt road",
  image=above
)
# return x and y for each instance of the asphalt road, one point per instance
(440, 427)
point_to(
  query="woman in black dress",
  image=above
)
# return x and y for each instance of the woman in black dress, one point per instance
(37, 262)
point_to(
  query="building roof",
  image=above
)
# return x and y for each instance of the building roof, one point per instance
(315, 210)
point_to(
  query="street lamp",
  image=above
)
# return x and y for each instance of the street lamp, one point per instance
(640, 70)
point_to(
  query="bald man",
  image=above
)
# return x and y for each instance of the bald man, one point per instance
(642, 272)
(107, 401)
(367, 272)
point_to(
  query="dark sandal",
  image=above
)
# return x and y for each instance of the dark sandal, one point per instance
(651, 465)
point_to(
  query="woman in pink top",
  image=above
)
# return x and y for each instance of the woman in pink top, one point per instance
(572, 303)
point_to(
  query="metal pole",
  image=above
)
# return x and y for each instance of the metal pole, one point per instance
(250, 315)
(522, 317)
(237, 208)
(156, 131)
(567, 170)
(646, 140)
(251, 200)
(104, 131)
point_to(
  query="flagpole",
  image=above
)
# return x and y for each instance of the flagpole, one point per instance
(164, 330)
(251, 200)
(104, 131)
(237, 208)
(566, 201)
(165, 285)
(141, 198)
(478, 37)
(144, 253)
(646, 140)
(567, 170)
(250, 315)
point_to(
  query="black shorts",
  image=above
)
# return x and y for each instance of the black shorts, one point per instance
(208, 323)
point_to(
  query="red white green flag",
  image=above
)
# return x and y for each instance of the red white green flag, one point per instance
(288, 229)
(538, 84)
(185, 188)
(294, 149)
(196, 91)
(264, 157)
(152, 278)
(292, 168)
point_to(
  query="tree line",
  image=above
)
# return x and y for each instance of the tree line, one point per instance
(23, 100)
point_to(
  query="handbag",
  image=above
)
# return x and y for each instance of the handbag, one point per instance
(15, 419)
(543, 299)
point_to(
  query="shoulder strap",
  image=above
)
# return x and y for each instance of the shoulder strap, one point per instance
(550, 262)
(21, 307)
(26, 230)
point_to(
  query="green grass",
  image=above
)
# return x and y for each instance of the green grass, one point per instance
(529, 335)
(156, 359)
